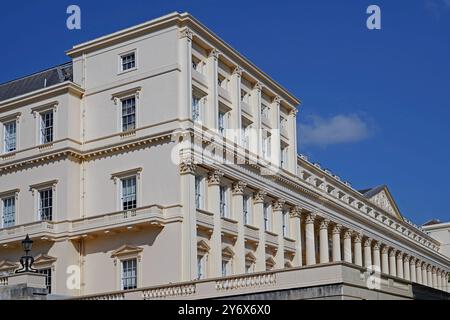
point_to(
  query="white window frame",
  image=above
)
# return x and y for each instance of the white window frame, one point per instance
(222, 127)
(201, 266)
(284, 157)
(223, 202)
(122, 202)
(247, 210)
(117, 98)
(122, 274)
(36, 192)
(37, 113)
(285, 224)
(48, 286)
(4, 121)
(127, 253)
(118, 177)
(199, 192)
(267, 216)
(121, 56)
(14, 194)
(122, 101)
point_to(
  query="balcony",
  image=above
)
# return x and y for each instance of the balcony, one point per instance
(205, 219)
(251, 233)
(41, 229)
(271, 239)
(297, 282)
(229, 226)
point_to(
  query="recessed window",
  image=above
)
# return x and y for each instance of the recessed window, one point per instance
(198, 192)
(283, 157)
(9, 136)
(128, 61)
(48, 278)
(129, 193)
(223, 202)
(45, 207)
(225, 267)
(246, 209)
(129, 274)
(128, 114)
(221, 123)
(46, 127)
(196, 109)
(201, 270)
(266, 215)
(8, 212)
(285, 224)
(265, 111)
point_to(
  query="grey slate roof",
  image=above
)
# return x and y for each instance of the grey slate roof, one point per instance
(368, 193)
(36, 81)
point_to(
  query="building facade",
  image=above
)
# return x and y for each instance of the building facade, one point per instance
(161, 155)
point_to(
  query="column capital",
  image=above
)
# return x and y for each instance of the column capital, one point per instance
(187, 166)
(429, 268)
(434, 269)
(412, 261)
(293, 112)
(214, 53)
(336, 228)
(399, 255)
(278, 204)
(186, 33)
(214, 177)
(376, 245)
(418, 263)
(258, 86)
(348, 234)
(392, 253)
(324, 223)
(295, 212)
(238, 187)
(406, 258)
(277, 100)
(384, 249)
(367, 242)
(358, 237)
(310, 217)
(259, 196)
(424, 266)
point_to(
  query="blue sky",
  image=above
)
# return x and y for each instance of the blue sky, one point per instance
(376, 103)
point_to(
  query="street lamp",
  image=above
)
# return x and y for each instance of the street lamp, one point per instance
(26, 261)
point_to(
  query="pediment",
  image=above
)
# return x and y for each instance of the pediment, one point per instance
(382, 198)
(202, 245)
(42, 259)
(126, 249)
(250, 257)
(6, 266)
(270, 262)
(228, 252)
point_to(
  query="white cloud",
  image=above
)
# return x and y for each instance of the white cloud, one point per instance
(335, 130)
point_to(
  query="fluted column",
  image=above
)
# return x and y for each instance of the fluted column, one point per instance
(309, 236)
(444, 285)
(216, 237)
(392, 264)
(385, 259)
(376, 256)
(258, 207)
(406, 274)
(296, 231)
(434, 277)
(424, 274)
(348, 246)
(323, 241)
(238, 215)
(337, 256)
(368, 253)
(358, 250)
(438, 279)
(419, 272)
(277, 208)
(212, 119)
(429, 276)
(412, 269)
(400, 264)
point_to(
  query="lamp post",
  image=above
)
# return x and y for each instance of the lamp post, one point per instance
(26, 261)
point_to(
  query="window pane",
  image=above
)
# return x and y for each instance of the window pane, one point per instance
(129, 193)
(47, 127)
(128, 114)
(46, 204)
(48, 278)
(128, 61)
(9, 212)
(129, 274)
(10, 136)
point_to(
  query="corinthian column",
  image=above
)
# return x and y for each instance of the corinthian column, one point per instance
(309, 236)
(433, 277)
(424, 274)
(400, 264)
(429, 276)
(438, 279)
(295, 215)
(278, 228)
(337, 242)
(238, 206)
(368, 253)
(376, 256)
(392, 266)
(358, 251)
(323, 234)
(385, 259)
(216, 237)
(406, 273)
(412, 269)
(419, 271)
(348, 246)
(258, 201)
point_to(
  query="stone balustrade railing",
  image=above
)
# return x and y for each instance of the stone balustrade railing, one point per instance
(3, 281)
(247, 281)
(112, 296)
(167, 292)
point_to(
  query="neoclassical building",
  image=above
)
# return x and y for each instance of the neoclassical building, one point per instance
(160, 162)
